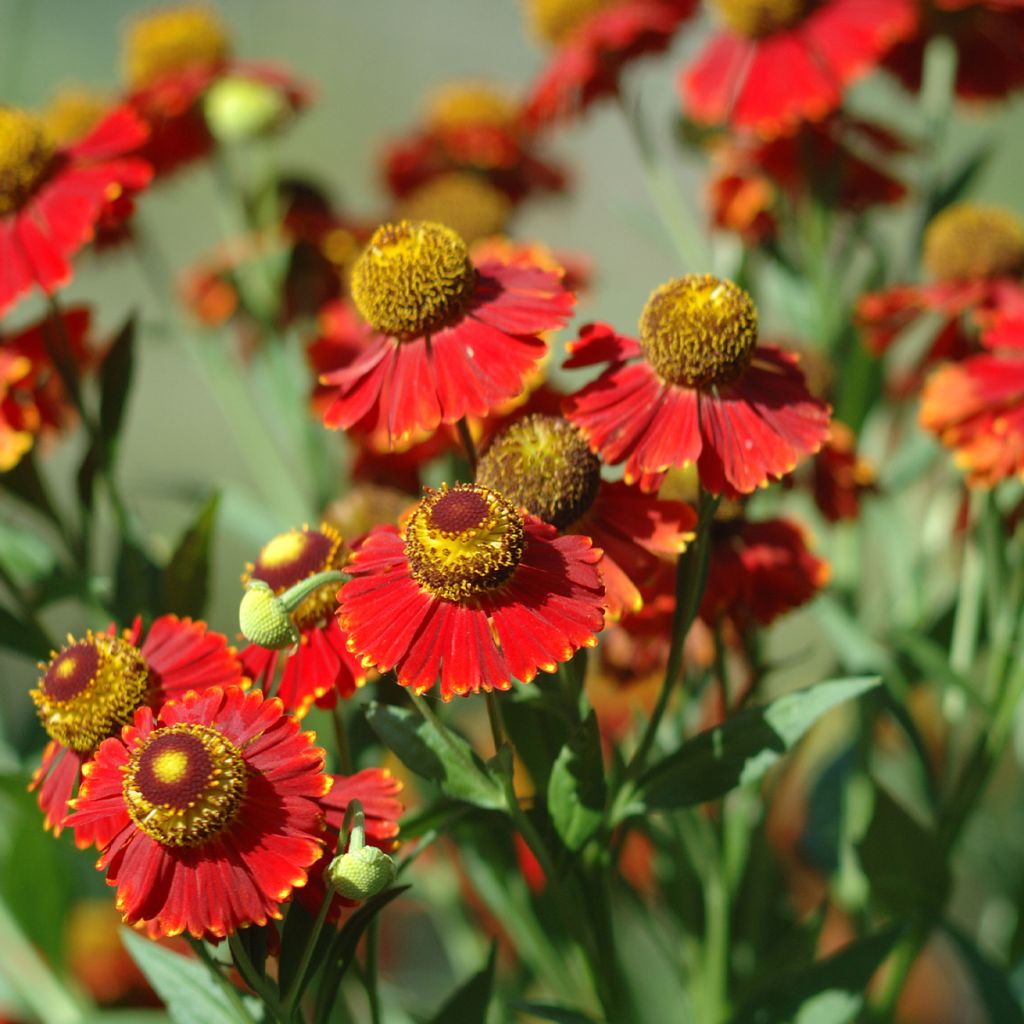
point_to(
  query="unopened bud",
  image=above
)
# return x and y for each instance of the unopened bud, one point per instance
(264, 619)
(240, 108)
(360, 874)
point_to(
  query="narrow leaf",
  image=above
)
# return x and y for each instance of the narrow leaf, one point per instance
(558, 1014)
(116, 381)
(469, 1002)
(576, 789)
(992, 983)
(184, 583)
(744, 748)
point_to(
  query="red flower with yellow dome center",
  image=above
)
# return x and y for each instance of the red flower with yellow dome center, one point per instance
(94, 686)
(592, 42)
(696, 388)
(471, 592)
(543, 464)
(171, 57)
(779, 62)
(976, 407)
(53, 197)
(211, 812)
(321, 667)
(988, 36)
(449, 338)
(975, 258)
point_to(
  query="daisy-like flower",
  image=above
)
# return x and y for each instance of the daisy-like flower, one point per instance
(696, 388)
(776, 63)
(591, 42)
(33, 400)
(448, 338)
(52, 197)
(467, 203)
(171, 57)
(473, 592)
(976, 406)
(94, 686)
(543, 464)
(975, 257)
(211, 809)
(989, 39)
(471, 128)
(320, 668)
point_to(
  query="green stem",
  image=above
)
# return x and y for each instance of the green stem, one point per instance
(245, 968)
(494, 717)
(370, 971)
(344, 751)
(298, 983)
(468, 444)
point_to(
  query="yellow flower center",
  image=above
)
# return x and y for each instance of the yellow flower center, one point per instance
(463, 541)
(543, 464)
(184, 784)
(25, 157)
(554, 21)
(463, 104)
(72, 114)
(90, 690)
(967, 242)
(170, 41)
(294, 556)
(412, 278)
(699, 331)
(756, 18)
(467, 203)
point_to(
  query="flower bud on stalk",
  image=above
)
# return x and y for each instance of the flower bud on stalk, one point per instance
(264, 617)
(363, 871)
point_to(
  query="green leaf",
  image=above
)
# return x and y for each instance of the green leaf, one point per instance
(25, 554)
(136, 582)
(23, 637)
(742, 749)
(991, 982)
(903, 860)
(558, 1014)
(960, 181)
(576, 789)
(447, 760)
(191, 993)
(856, 649)
(469, 1002)
(184, 584)
(115, 383)
(830, 991)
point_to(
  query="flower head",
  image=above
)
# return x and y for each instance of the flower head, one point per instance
(172, 41)
(472, 593)
(211, 810)
(966, 242)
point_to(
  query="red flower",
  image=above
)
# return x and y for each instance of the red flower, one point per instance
(53, 198)
(988, 36)
(448, 339)
(212, 812)
(94, 686)
(976, 407)
(779, 62)
(472, 592)
(377, 791)
(33, 401)
(759, 571)
(321, 668)
(543, 465)
(836, 162)
(696, 388)
(840, 476)
(593, 42)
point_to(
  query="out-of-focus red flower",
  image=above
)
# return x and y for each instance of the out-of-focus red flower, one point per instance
(53, 198)
(989, 40)
(591, 42)
(475, 129)
(33, 400)
(777, 63)
(697, 351)
(839, 476)
(837, 161)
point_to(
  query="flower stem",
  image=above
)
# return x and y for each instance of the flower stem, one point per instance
(343, 751)
(297, 986)
(468, 444)
(494, 717)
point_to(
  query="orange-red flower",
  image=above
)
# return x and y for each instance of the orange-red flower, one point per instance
(696, 388)
(976, 406)
(33, 400)
(320, 668)
(776, 63)
(543, 464)
(989, 39)
(94, 686)
(52, 198)
(839, 476)
(759, 571)
(212, 810)
(447, 338)
(592, 42)
(470, 592)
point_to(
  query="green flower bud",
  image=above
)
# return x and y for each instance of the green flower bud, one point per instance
(360, 874)
(239, 108)
(264, 618)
